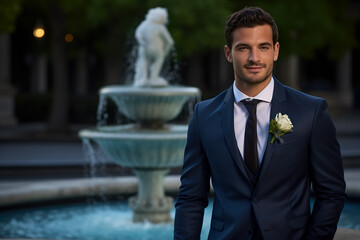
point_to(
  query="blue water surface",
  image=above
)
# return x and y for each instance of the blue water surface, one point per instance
(107, 221)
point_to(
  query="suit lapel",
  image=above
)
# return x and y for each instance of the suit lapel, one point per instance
(278, 105)
(227, 124)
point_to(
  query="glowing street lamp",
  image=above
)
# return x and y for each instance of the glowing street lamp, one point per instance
(69, 37)
(39, 32)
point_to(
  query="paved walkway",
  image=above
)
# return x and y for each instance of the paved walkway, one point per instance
(20, 192)
(45, 153)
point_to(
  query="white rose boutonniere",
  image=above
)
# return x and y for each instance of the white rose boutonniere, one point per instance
(279, 126)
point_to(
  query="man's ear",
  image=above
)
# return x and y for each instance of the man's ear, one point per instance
(227, 52)
(276, 51)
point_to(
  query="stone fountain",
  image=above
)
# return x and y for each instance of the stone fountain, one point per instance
(150, 145)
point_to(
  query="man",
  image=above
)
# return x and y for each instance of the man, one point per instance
(261, 188)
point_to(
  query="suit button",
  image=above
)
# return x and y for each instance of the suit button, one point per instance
(250, 232)
(255, 200)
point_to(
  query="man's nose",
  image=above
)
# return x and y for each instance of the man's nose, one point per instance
(254, 56)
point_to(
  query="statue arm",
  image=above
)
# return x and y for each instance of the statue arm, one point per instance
(139, 34)
(169, 41)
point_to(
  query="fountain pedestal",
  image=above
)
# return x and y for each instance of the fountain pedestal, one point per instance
(151, 204)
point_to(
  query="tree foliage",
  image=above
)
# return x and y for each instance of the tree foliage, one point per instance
(198, 25)
(308, 25)
(195, 25)
(110, 22)
(9, 10)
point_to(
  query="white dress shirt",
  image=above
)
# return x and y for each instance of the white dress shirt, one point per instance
(262, 113)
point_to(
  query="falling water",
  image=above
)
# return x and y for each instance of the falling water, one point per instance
(102, 115)
(95, 168)
(129, 72)
(171, 68)
(89, 155)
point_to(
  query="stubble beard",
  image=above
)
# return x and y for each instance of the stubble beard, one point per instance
(255, 80)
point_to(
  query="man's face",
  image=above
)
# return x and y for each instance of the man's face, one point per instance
(252, 55)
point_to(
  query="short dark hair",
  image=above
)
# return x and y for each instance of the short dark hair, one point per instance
(249, 17)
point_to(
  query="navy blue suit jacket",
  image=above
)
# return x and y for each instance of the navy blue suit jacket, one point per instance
(280, 202)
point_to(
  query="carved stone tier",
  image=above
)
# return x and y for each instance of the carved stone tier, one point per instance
(149, 106)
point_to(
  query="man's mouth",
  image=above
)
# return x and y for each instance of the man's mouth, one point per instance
(255, 68)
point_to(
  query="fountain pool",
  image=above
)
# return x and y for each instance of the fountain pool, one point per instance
(108, 221)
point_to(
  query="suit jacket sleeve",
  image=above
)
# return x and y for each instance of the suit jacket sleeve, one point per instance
(195, 185)
(327, 176)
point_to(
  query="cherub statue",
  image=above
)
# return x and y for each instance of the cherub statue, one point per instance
(155, 43)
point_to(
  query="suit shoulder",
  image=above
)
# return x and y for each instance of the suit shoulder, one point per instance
(301, 96)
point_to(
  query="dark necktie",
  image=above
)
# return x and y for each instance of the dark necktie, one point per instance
(250, 149)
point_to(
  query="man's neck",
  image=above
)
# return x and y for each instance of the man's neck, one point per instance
(252, 90)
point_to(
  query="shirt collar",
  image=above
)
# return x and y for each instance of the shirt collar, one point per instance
(265, 95)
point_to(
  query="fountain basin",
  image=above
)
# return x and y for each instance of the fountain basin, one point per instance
(144, 105)
(131, 146)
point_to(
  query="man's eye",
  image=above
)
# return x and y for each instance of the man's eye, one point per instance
(242, 48)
